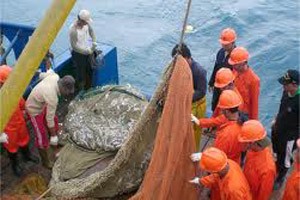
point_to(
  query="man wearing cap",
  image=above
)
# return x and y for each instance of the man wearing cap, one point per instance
(199, 85)
(246, 81)
(286, 127)
(226, 180)
(41, 106)
(227, 40)
(80, 33)
(259, 168)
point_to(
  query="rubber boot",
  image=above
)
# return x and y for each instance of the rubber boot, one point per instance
(28, 156)
(15, 164)
(46, 161)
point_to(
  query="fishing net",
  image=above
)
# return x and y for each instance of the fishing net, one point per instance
(124, 172)
(170, 168)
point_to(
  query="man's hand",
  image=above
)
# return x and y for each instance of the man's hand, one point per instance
(3, 138)
(195, 157)
(195, 181)
(195, 120)
(54, 140)
(52, 131)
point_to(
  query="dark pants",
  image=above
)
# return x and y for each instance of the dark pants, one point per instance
(215, 98)
(283, 147)
(83, 69)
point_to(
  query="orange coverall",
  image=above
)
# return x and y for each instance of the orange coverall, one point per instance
(227, 140)
(292, 188)
(233, 186)
(248, 84)
(16, 130)
(218, 118)
(260, 171)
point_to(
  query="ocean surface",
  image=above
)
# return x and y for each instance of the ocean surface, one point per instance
(144, 33)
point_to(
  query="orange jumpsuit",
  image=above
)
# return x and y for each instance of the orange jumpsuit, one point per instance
(227, 140)
(260, 171)
(218, 118)
(16, 130)
(233, 186)
(248, 84)
(292, 188)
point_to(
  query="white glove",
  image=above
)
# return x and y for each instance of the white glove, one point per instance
(94, 44)
(54, 140)
(196, 157)
(195, 181)
(195, 120)
(3, 138)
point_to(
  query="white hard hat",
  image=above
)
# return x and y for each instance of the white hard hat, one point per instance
(85, 16)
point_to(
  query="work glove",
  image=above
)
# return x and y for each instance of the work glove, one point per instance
(94, 45)
(3, 138)
(195, 156)
(195, 181)
(89, 51)
(195, 120)
(54, 140)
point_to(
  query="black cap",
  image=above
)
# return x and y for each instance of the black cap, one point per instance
(291, 76)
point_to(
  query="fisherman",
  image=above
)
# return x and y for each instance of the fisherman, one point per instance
(226, 179)
(199, 84)
(41, 107)
(227, 40)
(285, 130)
(223, 81)
(16, 136)
(246, 81)
(259, 168)
(227, 133)
(292, 188)
(81, 32)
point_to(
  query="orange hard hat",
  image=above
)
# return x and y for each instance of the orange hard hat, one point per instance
(229, 99)
(213, 160)
(238, 55)
(4, 72)
(227, 36)
(252, 131)
(224, 76)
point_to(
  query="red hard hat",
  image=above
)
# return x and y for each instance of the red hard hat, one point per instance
(213, 160)
(229, 99)
(4, 72)
(227, 36)
(224, 76)
(238, 55)
(252, 131)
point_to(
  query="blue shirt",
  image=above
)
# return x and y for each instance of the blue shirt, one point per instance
(221, 61)
(199, 80)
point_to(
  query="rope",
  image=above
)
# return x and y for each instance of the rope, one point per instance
(44, 194)
(185, 23)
